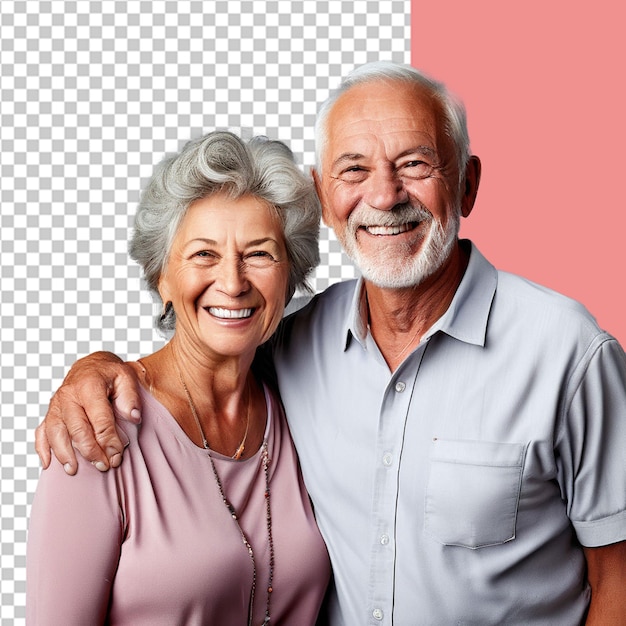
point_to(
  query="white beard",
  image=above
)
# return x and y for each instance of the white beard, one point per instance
(398, 270)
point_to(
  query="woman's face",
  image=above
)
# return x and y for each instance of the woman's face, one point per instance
(227, 275)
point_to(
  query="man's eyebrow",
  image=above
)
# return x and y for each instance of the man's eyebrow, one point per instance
(347, 157)
(426, 151)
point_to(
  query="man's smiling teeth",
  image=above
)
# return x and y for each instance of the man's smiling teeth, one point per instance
(390, 230)
(230, 313)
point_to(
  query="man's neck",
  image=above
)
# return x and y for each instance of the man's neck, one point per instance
(399, 318)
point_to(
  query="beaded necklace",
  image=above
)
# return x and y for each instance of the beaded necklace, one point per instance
(233, 513)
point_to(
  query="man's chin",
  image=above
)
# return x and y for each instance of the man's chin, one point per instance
(394, 280)
(387, 274)
(403, 272)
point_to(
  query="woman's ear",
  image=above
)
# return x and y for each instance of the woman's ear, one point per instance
(167, 307)
(163, 289)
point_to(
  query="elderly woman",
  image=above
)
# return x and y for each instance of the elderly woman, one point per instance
(207, 521)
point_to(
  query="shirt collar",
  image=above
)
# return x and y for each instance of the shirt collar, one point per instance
(465, 319)
(356, 324)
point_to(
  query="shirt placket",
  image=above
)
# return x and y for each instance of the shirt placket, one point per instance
(394, 411)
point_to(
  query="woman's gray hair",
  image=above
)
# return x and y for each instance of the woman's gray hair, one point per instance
(455, 118)
(221, 162)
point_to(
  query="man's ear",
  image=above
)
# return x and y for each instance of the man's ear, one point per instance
(470, 189)
(317, 181)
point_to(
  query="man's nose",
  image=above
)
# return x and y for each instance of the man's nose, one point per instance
(232, 278)
(386, 190)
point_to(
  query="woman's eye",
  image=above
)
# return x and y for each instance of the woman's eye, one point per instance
(204, 255)
(259, 257)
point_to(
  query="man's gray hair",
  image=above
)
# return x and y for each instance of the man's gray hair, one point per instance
(221, 162)
(455, 118)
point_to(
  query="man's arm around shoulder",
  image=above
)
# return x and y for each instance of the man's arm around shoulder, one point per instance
(80, 416)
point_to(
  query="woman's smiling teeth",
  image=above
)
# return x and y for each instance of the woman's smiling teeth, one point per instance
(229, 314)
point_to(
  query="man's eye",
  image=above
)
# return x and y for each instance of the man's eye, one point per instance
(417, 169)
(354, 173)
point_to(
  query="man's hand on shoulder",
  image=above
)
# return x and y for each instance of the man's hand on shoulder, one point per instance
(80, 416)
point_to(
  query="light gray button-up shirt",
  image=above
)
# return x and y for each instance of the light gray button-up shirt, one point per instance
(458, 489)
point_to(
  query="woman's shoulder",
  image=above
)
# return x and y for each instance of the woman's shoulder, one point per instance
(272, 397)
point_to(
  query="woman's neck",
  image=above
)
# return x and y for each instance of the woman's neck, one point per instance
(217, 400)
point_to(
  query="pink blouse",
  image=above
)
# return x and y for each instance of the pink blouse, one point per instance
(152, 542)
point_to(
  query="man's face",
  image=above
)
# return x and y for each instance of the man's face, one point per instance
(389, 183)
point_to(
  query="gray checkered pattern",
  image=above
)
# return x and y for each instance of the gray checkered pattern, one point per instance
(92, 94)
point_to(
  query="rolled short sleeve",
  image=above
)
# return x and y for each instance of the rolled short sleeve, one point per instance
(592, 445)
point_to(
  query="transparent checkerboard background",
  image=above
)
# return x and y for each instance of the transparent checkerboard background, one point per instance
(92, 95)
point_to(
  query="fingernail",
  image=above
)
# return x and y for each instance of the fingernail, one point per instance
(100, 466)
(136, 414)
(68, 468)
(116, 460)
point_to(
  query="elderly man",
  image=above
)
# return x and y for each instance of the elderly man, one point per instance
(461, 430)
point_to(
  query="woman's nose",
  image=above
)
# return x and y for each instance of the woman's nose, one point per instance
(232, 277)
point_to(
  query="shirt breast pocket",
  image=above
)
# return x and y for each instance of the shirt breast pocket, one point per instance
(473, 492)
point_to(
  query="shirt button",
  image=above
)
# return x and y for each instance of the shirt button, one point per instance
(384, 539)
(378, 614)
(387, 459)
(400, 386)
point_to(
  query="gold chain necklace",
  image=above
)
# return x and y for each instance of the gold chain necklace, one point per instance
(233, 513)
(242, 446)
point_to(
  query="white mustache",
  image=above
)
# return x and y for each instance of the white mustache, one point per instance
(398, 217)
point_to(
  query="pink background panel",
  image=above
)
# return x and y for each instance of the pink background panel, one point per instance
(544, 87)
